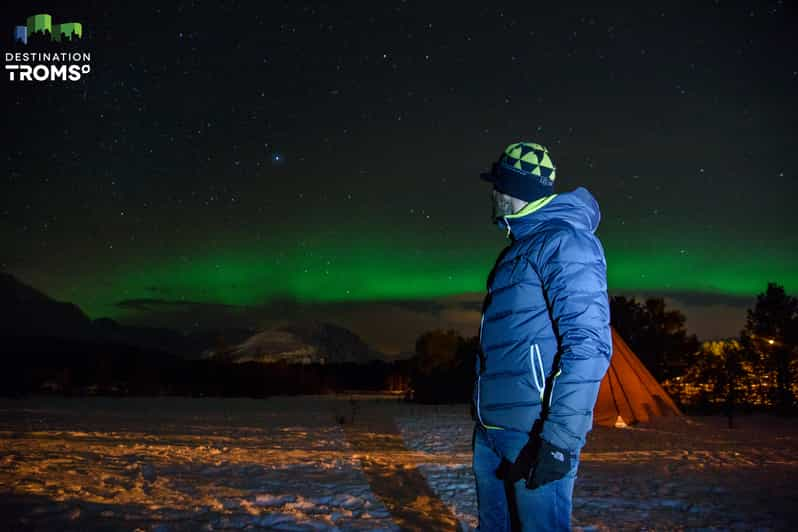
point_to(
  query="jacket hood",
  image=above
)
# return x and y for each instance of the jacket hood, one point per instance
(578, 208)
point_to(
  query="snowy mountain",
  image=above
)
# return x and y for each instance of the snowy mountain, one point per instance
(302, 343)
(27, 312)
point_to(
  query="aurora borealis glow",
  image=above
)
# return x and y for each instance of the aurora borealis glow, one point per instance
(330, 158)
(312, 270)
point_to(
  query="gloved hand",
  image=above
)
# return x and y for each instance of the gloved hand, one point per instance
(552, 463)
(538, 463)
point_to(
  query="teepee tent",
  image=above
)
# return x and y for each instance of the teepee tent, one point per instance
(629, 393)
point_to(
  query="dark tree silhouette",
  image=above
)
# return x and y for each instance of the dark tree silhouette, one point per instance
(719, 364)
(771, 334)
(656, 334)
(443, 367)
(435, 349)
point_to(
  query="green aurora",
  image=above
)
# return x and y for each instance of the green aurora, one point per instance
(348, 266)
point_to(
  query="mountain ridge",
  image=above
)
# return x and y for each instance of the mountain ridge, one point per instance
(26, 311)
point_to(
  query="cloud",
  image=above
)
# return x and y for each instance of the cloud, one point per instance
(154, 305)
(709, 315)
(391, 326)
(695, 298)
(423, 306)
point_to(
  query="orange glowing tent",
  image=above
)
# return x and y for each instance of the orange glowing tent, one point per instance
(629, 393)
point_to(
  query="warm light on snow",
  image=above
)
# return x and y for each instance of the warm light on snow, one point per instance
(286, 463)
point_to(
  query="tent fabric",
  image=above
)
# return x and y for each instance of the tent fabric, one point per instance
(629, 393)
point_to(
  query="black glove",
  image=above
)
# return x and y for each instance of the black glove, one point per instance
(538, 463)
(552, 464)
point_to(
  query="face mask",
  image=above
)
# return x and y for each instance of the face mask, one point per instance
(502, 206)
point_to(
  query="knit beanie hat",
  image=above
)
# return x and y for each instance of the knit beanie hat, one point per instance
(524, 170)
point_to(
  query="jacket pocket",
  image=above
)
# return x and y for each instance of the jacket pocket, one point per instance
(538, 373)
(497, 390)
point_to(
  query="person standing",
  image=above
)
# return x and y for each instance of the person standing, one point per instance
(545, 345)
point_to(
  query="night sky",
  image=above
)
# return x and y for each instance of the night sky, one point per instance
(234, 164)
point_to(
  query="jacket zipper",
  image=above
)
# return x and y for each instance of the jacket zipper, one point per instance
(553, 382)
(479, 376)
(479, 416)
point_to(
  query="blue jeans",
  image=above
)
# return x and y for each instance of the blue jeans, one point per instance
(504, 505)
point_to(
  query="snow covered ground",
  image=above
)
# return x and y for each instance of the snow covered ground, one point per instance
(288, 463)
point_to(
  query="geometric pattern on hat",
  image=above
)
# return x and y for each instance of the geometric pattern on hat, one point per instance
(530, 157)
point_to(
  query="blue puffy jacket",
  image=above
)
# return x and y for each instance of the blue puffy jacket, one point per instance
(545, 328)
